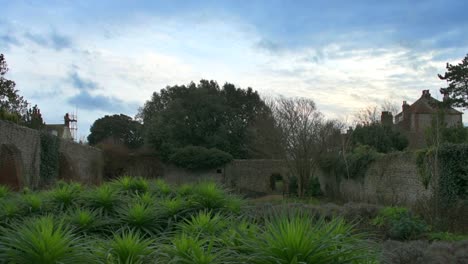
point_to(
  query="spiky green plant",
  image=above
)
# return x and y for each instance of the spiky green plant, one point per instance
(141, 217)
(191, 249)
(295, 238)
(4, 191)
(65, 195)
(161, 188)
(85, 220)
(185, 190)
(174, 207)
(10, 210)
(128, 185)
(104, 197)
(204, 223)
(209, 196)
(33, 202)
(43, 240)
(129, 247)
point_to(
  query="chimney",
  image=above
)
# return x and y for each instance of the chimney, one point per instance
(426, 94)
(446, 96)
(386, 118)
(405, 106)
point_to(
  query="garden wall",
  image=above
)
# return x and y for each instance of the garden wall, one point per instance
(20, 158)
(391, 180)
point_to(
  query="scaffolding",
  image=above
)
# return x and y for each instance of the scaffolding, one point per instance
(73, 125)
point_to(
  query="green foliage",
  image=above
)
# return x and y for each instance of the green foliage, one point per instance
(65, 195)
(129, 247)
(104, 198)
(85, 220)
(129, 184)
(33, 202)
(399, 223)
(204, 115)
(117, 128)
(457, 79)
(12, 105)
(453, 173)
(141, 217)
(205, 223)
(359, 160)
(313, 187)
(382, 138)
(33, 118)
(49, 167)
(446, 236)
(296, 238)
(293, 186)
(4, 191)
(42, 240)
(195, 158)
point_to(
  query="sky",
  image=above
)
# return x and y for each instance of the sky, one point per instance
(107, 57)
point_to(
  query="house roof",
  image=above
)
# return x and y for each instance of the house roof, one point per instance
(427, 104)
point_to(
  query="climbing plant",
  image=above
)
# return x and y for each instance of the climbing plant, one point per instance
(49, 167)
(449, 161)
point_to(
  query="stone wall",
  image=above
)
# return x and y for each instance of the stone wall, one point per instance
(26, 142)
(77, 162)
(253, 176)
(174, 175)
(391, 180)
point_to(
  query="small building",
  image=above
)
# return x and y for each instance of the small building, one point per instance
(414, 119)
(63, 131)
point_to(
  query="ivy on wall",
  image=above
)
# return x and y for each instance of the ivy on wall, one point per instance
(49, 168)
(452, 168)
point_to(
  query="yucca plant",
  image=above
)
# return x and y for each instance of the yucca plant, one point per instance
(104, 197)
(85, 220)
(33, 202)
(65, 195)
(191, 249)
(204, 223)
(174, 207)
(209, 196)
(185, 190)
(141, 217)
(128, 185)
(295, 238)
(129, 247)
(4, 191)
(160, 188)
(43, 240)
(10, 210)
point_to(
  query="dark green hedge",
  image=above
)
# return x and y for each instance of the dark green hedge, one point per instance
(197, 158)
(453, 172)
(49, 167)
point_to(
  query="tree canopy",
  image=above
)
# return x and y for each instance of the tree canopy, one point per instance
(12, 105)
(457, 79)
(382, 138)
(116, 127)
(203, 115)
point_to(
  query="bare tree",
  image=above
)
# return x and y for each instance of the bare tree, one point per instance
(390, 106)
(368, 115)
(304, 135)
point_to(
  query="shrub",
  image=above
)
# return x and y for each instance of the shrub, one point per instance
(198, 158)
(295, 238)
(140, 217)
(129, 247)
(49, 165)
(33, 202)
(313, 187)
(129, 184)
(399, 223)
(65, 195)
(4, 191)
(205, 224)
(42, 240)
(104, 197)
(85, 220)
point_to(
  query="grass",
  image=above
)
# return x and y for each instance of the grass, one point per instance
(134, 220)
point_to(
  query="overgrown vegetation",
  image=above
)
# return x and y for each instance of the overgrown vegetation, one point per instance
(195, 158)
(49, 155)
(133, 220)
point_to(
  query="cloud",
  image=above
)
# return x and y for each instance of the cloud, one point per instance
(81, 83)
(88, 102)
(52, 40)
(7, 41)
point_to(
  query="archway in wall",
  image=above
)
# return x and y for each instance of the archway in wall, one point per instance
(10, 166)
(277, 183)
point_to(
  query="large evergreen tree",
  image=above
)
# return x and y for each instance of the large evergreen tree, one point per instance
(457, 78)
(118, 127)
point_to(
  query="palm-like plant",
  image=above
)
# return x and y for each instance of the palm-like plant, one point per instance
(4, 191)
(141, 217)
(190, 249)
(104, 197)
(129, 247)
(33, 202)
(43, 240)
(295, 238)
(10, 210)
(209, 196)
(161, 188)
(128, 185)
(85, 220)
(65, 195)
(204, 223)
